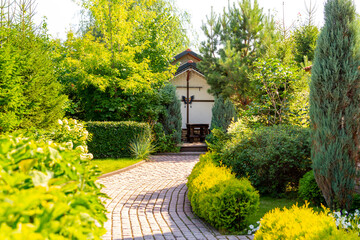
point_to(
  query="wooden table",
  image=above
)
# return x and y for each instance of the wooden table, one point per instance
(203, 131)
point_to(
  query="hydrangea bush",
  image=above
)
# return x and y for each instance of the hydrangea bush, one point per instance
(48, 191)
(71, 130)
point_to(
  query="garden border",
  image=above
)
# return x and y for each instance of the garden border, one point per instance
(121, 170)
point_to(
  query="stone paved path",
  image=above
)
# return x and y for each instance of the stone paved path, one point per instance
(150, 202)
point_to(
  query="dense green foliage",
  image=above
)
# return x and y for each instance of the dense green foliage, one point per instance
(218, 197)
(64, 131)
(223, 113)
(278, 84)
(30, 95)
(171, 118)
(234, 40)
(334, 104)
(112, 139)
(309, 190)
(114, 69)
(274, 158)
(47, 191)
(163, 142)
(305, 42)
(252, 60)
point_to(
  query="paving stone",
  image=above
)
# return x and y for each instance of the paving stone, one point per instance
(150, 202)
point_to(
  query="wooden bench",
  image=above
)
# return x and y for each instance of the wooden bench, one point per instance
(196, 131)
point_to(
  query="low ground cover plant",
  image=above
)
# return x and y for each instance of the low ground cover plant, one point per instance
(217, 196)
(48, 191)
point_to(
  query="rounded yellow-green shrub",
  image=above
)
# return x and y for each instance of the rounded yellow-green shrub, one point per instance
(299, 223)
(218, 197)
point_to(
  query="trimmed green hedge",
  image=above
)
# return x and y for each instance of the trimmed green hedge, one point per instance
(218, 197)
(112, 139)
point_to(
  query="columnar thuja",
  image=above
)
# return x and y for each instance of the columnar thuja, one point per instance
(334, 104)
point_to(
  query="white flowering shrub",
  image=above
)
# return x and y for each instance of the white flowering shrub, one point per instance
(347, 220)
(71, 130)
(252, 228)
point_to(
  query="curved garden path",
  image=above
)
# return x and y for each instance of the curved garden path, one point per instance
(150, 202)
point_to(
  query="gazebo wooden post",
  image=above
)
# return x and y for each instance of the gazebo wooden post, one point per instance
(187, 96)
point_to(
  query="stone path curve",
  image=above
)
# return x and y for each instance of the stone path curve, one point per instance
(150, 202)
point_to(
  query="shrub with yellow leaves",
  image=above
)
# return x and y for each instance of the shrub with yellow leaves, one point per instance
(217, 196)
(300, 223)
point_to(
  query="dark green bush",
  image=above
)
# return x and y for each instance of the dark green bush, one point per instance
(48, 191)
(164, 142)
(170, 119)
(274, 158)
(218, 197)
(216, 140)
(112, 139)
(309, 190)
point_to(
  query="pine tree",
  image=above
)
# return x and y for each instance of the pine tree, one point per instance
(30, 95)
(234, 40)
(223, 112)
(171, 119)
(334, 104)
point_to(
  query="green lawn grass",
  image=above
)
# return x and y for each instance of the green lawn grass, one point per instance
(111, 164)
(268, 203)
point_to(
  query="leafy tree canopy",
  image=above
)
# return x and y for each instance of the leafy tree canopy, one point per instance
(114, 67)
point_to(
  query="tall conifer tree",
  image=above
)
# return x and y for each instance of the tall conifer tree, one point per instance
(171, 117)
(334, 104)
(30, 95)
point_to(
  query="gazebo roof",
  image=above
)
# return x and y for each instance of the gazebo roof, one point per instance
(188, 52)
(186, 66)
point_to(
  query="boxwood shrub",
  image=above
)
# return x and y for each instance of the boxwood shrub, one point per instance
(274, 158)
(112, 139)
(218, 197)
(309, 190)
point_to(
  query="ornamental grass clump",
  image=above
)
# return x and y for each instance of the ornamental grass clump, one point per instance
(300, 223)
(141, 147)
(218, 197)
